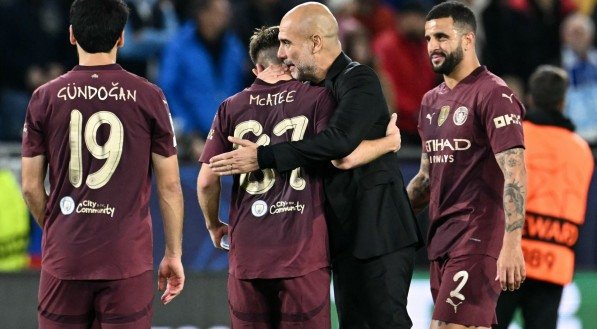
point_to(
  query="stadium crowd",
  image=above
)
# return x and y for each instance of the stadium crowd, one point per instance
(195, 51)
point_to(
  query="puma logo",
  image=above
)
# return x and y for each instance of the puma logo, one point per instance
(449, 301)
(430, 116)
(508, 97)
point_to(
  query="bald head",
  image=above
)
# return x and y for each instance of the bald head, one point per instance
(309, 41)
(312, 18)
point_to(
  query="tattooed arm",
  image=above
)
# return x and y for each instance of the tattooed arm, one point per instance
(510, 265)
(418, 188)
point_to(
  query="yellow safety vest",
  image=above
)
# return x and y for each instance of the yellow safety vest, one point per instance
(14, 225)
(559, 168)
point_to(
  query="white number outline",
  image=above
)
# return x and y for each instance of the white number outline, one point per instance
(248, 181)
(456, 292)
(111, 150)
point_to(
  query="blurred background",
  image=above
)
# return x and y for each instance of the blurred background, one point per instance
(196, 51)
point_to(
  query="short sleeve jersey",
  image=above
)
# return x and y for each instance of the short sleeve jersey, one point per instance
(461, 130)
(97, 126)
(277, 223)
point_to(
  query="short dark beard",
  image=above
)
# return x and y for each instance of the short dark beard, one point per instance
(450, 62)
(306, 74)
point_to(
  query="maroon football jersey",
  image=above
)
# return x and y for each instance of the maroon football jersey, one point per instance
(277, 222)
(461, 130)
(97, 127)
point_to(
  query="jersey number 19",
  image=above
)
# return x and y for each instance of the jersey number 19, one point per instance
(111, 150)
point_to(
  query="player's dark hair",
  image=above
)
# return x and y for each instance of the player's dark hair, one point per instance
(463, 16)
(547, 86)
(263, 46)
(97, 24)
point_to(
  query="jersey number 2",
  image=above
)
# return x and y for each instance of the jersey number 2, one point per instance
(110, 151)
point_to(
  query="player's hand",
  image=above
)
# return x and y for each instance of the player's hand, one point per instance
(393, 131)
(274, 73)
(239, 161)
(170, 278)
(217, 232)
(511, 270)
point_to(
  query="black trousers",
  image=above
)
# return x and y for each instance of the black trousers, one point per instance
(538, 300)
(372, 293)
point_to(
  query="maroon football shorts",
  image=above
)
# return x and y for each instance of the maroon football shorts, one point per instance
(301, 302)
(115, 304)
(464, 290)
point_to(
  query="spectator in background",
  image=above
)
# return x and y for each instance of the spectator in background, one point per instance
(559, 167)
(523, 34)
(356, 43)
(401, 55)
(151, 25)
(375, 15)
(14, 225)
(579, 59)
(252, 14)
(201, 66)
(35, 50)
(586, 7)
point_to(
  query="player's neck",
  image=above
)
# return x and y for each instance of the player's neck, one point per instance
(461, 71)
(87, 59)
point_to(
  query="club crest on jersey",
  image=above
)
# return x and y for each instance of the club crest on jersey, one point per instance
(460, 116)
(259, 208)
(67, 205)
(443, 115)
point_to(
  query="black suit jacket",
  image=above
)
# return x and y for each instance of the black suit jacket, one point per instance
(367, 207)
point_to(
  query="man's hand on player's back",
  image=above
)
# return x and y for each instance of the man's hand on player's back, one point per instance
(239, 161)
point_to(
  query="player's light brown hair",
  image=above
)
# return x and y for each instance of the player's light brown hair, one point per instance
(263, 46)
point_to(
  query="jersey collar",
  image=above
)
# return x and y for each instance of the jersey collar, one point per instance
(97, 67)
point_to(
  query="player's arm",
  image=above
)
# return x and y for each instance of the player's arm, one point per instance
(370, 150)
(33, 171)
(208, 193)
(360, 104)
(170, 273)
(418, 188)
(511, 266)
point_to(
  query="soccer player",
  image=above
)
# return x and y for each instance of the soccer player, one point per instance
(472, 175)
(279, 274)
(99, 131)
(373, 230)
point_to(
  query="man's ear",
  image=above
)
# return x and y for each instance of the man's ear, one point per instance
(470, 38)
(257, 69)
(71, 36)
(317, 43)
(120, 41)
